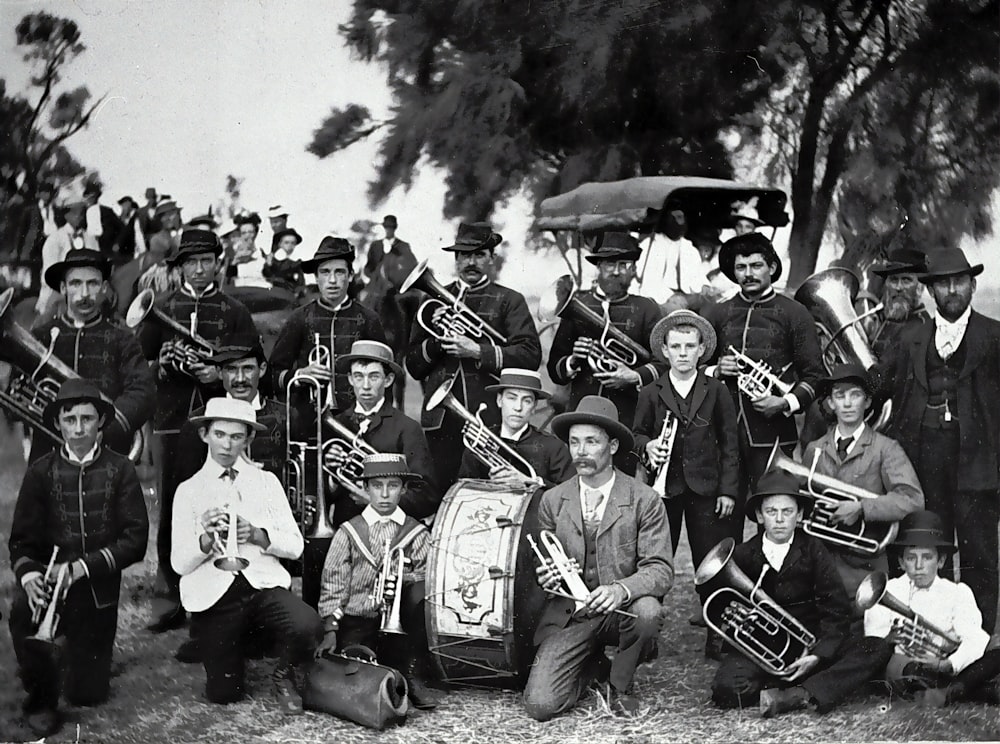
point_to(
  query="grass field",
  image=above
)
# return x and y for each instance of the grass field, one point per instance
(157, 699)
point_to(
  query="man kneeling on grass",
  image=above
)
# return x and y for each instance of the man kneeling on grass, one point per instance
(232, 581)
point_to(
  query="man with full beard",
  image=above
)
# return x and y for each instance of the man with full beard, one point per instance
(902, 295)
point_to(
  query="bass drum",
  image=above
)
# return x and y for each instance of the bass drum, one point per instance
(482, 600)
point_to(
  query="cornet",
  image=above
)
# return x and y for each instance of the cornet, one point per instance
(667, 437)
(388, 592)
(46, 633)
(757, 379)
(231, 560)
(322, 357)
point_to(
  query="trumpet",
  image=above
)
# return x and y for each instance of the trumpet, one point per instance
(388, 592)
(457, 320)
(488, 448)
(925, 640)
(46, 633)
(192, 348)
(347, 475)
(304, 482)
(36, 613)
(231, 560)
(667, 437)
(829, 492)
(746, 617)
(757, 379)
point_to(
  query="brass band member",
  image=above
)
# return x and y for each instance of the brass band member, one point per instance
(352, 611)
(184, 386)
(96, 348)
(518, 393)
(902, 295)
(477, 362)
(614, 529)
(615, 256)
(948, 606)
(799, 574)
(853, 453)
(247, 598)
(86, 501)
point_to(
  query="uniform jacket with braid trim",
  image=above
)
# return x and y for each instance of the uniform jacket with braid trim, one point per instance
(93, 511)
(546, 453)
(507, 312)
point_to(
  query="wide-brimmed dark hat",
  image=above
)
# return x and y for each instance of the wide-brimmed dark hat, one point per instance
(678, 318)
(79, 390)
(329, 249)
(615, 246)
(202, 222)
(371, 351)
(846, 373)
(284, 233)
(475, 236)
(75, 259)
(902, 261)
(775, 483)
(229, 409)
(128, 199)
(242, 347)
(165, 207)
(923, 529)
(745, 245)
(385, 465)
(193, 242)
(593, 409)
(949, 262)
(520, 379)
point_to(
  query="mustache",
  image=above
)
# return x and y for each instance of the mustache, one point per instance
(584, 461)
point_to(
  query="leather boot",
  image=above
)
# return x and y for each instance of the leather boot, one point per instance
(422, 696)
(774, 702)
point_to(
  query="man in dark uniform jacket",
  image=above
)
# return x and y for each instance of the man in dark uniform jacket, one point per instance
(518, 393)
(476, 363)
(86, 501)
(635, 316)
(335, 318)
(97, 348)
(902, 295)
(798, 573)
(766, 327)
(944, 379)
(184, 387)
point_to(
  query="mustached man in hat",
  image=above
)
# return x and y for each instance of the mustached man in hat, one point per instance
(246, 600)
(475, 362)
(358, 552)
(902, 296)
(73, 234)
(944, 380)
(569, 359)
(766, 327)
(518, 393)
(854, 453)
(86, 501)
(701, 461)
(614, 529)
(96, 347)
(186, 379)
(797, 571)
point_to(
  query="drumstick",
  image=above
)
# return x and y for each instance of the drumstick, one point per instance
(567, 595)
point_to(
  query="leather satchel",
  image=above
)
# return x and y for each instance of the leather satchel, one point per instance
(352, 685)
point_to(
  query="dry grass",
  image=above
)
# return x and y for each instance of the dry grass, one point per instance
(156, 699)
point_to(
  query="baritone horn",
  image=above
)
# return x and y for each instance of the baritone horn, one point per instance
(457, 319)
(926, 640)
(348, 474)
(388, 593)
(192, 348)
(747, 618)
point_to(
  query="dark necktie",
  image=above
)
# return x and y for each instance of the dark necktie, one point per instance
(229, 473)
(843, 443)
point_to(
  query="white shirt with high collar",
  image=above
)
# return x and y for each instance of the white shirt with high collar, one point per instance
(948, 334)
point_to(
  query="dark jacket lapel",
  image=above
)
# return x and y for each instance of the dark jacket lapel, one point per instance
(918, 352)
(976, 343)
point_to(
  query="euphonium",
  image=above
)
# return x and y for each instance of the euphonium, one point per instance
(304, 481)
(828, 492)
(458, 319)
(37, 376)
(667, 437)
(192, 348)
(231, 560)
(347, 475)
(488, 448)
(388, 593)
(928, 640)
(745, 616)
(46, 633)
(757, 379)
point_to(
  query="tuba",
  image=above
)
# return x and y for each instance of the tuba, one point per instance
(458, 319)
(745, 616)
(347, 475)
(929, 641)
(388, 592)
(488, 448)
(191, 349)
(304, 463)
(37, 376)
(828, 492)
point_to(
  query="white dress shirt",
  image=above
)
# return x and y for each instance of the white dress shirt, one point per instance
(948, 335)
(605, 495)
(682, 387)
(775, 553)
(261, 501)
(949, 606)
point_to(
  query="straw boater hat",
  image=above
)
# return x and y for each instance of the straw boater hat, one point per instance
(329, 249)
(902, 261)
(923, 529)
(846, 373)
(949, 262)
(75, 259)
(615, 246)
(679, 318)
(521, 379)
(194, 242)
(593, 409)
(745, 210)
(166, 207)
(384, 465)
(371, 351)
(744, 245)
(475, 236)
(276, 211)
(773, 483)
(229, 409)
(79, 390)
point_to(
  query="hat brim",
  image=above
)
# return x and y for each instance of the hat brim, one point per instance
(200, 420)
(348, 358)
(727, 260)
(224, 356)
(753, 502)
(744, 218)
(893, 269)
(664, 325)
(104, 408)
(931, 277)
(616, 429)
(55, 274)
(539, 393)
(924, 542)
(827, 383)
(312, 265)
(596, 258)
(184, 253)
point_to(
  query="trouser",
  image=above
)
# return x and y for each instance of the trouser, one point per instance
(313, 558)
(406, 652)
(558, 676)
(739, 681)
(980, 680)
(705, 529)
(166, 590)
(245, 615)
(446, 448)
(86, 639)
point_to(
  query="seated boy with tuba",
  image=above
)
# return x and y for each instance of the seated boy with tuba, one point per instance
(372, 588)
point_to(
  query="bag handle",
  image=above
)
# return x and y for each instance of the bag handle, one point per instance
(359, 651)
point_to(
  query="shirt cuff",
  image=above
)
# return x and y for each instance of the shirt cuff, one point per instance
(30, 576)
(628, 594)
(793, 404)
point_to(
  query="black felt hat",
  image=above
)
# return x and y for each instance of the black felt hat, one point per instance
(75, 259)
(745, 245)
(475, 236)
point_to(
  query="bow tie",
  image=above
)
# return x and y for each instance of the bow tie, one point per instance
(230, 473)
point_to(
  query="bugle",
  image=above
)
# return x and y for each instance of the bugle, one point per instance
(192, 348)
(304, 481)
(756, 379)
(747, 618)
(828, 493)
(231, 560)
(457, 319)
(388, 592)
(925, 640)
(667, 437)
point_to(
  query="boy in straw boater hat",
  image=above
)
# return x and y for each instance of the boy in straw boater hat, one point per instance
(357, 555)
(703, 467)
(518, 392)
